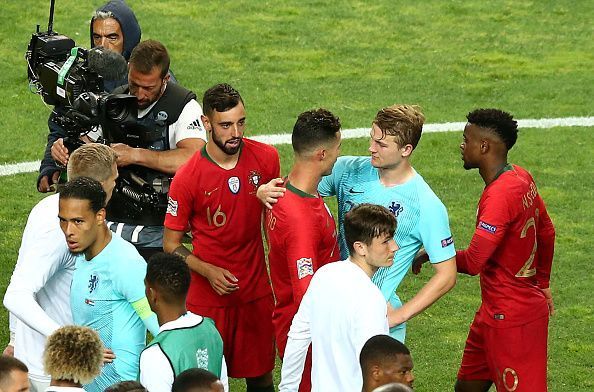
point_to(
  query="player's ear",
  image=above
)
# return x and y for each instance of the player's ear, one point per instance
(407, 150)
(376, 372)
(484, 146)
(321, 153)
(100, 216)
(360, 248)
(206, 122)
(150, 294)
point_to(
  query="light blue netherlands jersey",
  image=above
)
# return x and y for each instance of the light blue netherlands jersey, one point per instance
(421, 216)
(100, 297)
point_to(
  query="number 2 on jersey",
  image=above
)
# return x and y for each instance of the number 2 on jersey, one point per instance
(526, 271)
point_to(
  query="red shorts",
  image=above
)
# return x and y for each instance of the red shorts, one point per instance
(248, 336)
(515, 358)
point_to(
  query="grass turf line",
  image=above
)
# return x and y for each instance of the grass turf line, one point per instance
(532, 58)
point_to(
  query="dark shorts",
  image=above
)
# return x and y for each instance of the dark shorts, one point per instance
(515, 359)
(248, 336)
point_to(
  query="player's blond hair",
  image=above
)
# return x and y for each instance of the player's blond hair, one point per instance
(404, 122)
(73, 353)
(93, 160)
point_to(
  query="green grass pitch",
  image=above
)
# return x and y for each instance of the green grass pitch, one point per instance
(534, 59)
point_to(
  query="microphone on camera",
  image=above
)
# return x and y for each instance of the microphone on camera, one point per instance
(112, 66)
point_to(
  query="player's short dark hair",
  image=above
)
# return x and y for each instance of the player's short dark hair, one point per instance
(220, 97)
(314, 128)
(498, 121)
(367, 221)
(7, 365)
(195, 380)
(126, 386)
(380, 349)
(148, 55)
(404, 122)
(85, 188)
(393, 387)
(170, 274)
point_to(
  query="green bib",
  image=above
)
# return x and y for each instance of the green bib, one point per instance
(198, 346)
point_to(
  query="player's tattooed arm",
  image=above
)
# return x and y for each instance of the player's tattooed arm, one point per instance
(222, 281)
(182, 252)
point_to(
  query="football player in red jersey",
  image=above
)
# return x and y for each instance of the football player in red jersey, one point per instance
(215, 192)
(512, 250)
(300, 228)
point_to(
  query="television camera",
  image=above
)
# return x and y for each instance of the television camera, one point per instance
(73, 79)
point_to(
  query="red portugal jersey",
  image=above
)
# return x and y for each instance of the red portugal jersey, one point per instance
(224, 215)
(302, 237)
(513, 218)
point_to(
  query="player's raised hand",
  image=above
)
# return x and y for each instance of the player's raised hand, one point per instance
(108, 355)
(269, 193)
(60, 152)
(549, 297)
(421, 258)
(222, 281)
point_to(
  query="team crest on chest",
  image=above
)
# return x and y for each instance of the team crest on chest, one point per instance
(254, 178)
(396, 208)
(93, 281)
(234, 185)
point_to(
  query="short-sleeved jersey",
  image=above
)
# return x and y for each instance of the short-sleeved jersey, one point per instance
(222, 211)
(301, 238)
(512, 214)
(102, 291)
(422, 219)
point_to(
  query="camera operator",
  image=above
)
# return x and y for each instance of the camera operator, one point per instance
(182, 136)
(115, 27)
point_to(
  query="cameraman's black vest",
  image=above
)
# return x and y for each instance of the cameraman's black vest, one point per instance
(140, 196)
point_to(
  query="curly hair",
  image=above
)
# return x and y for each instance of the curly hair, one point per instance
(404, 122)
(73, 353)
(170, 274)
(500, 122)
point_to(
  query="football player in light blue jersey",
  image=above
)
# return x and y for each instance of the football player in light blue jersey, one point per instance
(107, 292)
(388, 179)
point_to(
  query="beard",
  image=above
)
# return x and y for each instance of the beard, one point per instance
(225, 147)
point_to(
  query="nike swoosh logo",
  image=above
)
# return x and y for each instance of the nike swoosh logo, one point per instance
(207, 194)
(354, 191)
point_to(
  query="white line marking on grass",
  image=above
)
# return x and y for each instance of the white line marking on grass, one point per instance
(285, 138)
(16, 168)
